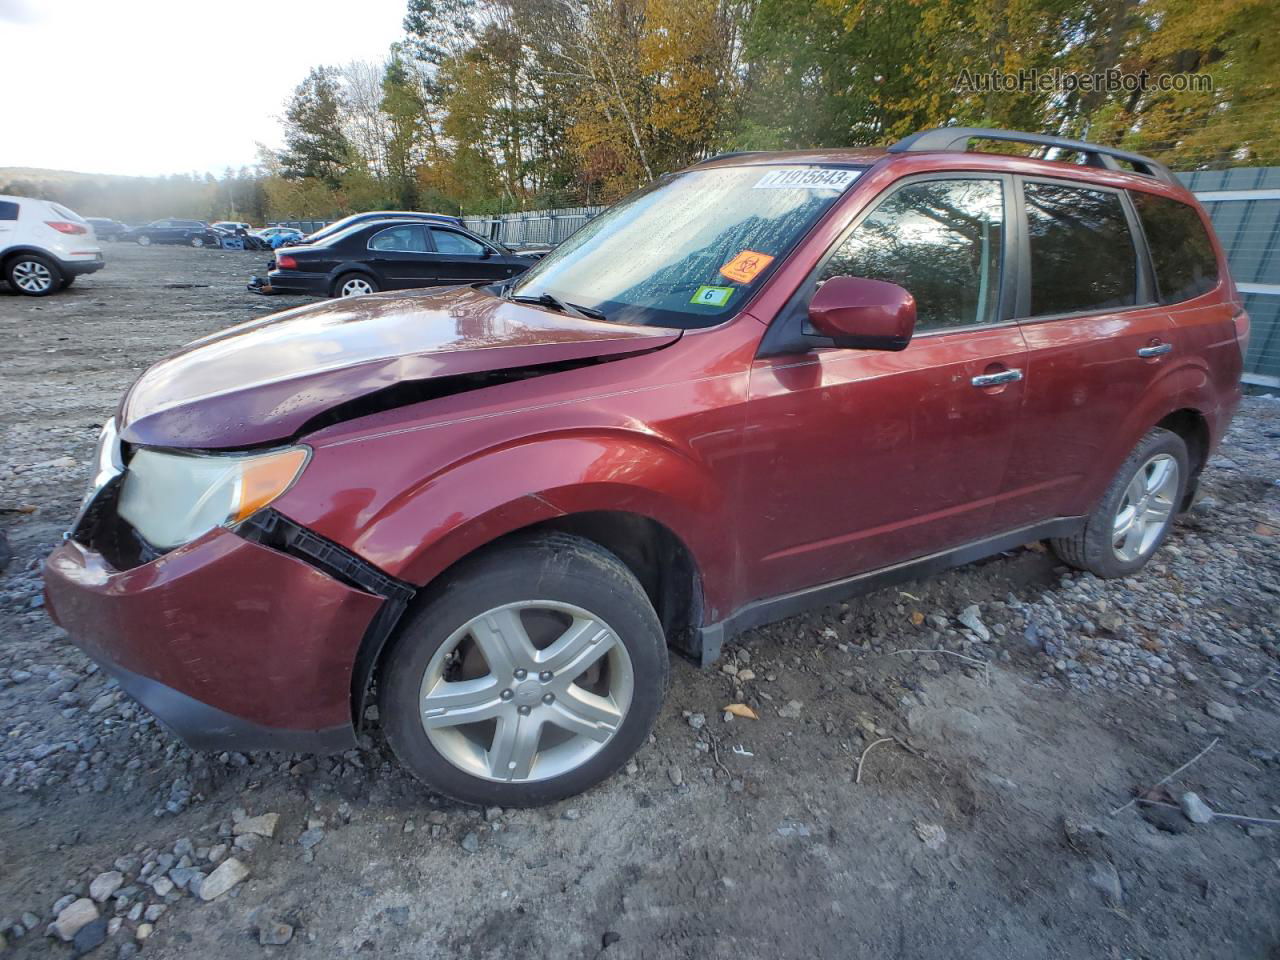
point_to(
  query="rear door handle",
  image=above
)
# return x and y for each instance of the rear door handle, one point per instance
(1155, 350)
(995, 379)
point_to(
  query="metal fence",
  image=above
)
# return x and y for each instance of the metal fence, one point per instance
(532, 227)
(1244, 204)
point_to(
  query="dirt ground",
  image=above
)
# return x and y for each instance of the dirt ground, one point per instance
(982, 826)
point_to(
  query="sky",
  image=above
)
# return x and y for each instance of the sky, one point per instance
(150, 87)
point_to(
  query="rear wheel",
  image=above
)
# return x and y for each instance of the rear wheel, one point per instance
(529, 674)
(33, 275)
(144, 241)
(197, 241)
(354, 285)
(1136, 512)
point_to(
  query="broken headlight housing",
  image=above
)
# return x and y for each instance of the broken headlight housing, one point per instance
(172, 498)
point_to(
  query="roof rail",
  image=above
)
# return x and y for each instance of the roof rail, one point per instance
(1095, 155)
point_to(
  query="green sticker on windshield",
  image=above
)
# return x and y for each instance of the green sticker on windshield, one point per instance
(711, 296)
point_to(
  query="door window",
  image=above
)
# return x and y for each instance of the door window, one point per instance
(1181, 252)
(403, 239)
(1082, 254)
(448, 241)
(942, 241)
(8, 210)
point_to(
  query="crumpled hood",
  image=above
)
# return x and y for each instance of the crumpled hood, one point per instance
(261, 381)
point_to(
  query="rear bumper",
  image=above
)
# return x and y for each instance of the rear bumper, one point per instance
(293, 281)
(76, 268)
(231, 644)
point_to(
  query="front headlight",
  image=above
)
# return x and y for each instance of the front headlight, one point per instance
(173, 498)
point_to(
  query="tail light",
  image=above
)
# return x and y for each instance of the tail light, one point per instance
(64, 226)
(286, 263)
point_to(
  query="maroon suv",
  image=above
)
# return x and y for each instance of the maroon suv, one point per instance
(767, 382)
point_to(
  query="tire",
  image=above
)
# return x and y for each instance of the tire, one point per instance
(144, 241)
(66, 282)
(1108, 547)
(33, 275)
(197, 241)
(349, 285)
(555, 579)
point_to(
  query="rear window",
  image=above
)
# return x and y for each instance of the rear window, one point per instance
(1181, 252)
(65, 213)
(8, 210)
(1082, 254)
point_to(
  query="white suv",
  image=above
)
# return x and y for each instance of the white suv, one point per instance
(44, 246)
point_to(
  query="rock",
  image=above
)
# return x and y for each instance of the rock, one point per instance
(1211, 649)
(143, 931)
(73, 917)
(127, 951)
(162, 885)
(932, 835)
(698, 720)
(791, 710)
(263, 825)
(90, 936)
(1220, 711)
(792, 828)
(154, 912)
(471, 843)
(1196, 810)
(217, 852)
(745, 675)
(230, 872)
(571, 814)
(274, 933)
(492, 813)
(675, 775)
(969, 618)
(311, 837)
(105, 884)
(1104, 877)
(185, 877)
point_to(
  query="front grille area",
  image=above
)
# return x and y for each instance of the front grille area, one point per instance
(103, 530)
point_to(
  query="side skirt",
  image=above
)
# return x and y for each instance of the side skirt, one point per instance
(710, 639)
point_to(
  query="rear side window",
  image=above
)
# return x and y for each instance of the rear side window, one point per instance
(1082, 254)
(940, 240)
(402, 239)
(8, 210)
(65, 213)
(449, 242)
(1181, 252)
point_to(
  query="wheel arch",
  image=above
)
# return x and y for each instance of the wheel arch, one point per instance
(11, 254)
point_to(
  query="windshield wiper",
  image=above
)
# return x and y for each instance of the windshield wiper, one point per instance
(555, 303)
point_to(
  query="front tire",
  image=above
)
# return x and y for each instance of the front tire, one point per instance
(144, 241)
(1136, 512)
(33, 275)
(525, 675)
(197, 241)
(354, 285)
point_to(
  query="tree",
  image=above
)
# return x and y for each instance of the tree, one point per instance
(315, 144)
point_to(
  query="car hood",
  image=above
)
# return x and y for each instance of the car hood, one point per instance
(261, 382)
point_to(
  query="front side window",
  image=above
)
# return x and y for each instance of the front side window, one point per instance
(1181, 252)
(1082, 254)
(940, 240)
(407, 238)
(690, 249)
(449, 241)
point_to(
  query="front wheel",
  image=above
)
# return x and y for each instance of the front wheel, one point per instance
(528, 674)
(144, 241)
(354, 285)
(197, 241)
(1136, 512)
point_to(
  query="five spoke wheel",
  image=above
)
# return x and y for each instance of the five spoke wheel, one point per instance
(32, 276)
(526, 691)
(1145, 508)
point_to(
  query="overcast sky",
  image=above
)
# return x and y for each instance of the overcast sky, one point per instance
(167, 86)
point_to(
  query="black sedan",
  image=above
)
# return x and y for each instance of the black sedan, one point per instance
(192, 233)
(106, 229)
(392, 255)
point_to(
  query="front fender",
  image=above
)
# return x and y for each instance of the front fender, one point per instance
(432, 523)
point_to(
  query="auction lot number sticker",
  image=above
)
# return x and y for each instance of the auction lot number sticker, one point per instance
(806, 178)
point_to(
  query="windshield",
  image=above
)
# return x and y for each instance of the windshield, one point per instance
(688, 250)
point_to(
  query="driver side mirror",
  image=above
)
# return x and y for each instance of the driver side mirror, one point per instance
(864, 314)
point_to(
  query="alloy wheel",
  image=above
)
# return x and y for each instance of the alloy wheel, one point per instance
(31, 276)
(144, 241)
(526, 691)
(197, 241)
(1145, 508)
(356, 287)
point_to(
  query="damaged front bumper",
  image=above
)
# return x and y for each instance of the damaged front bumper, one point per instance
(230, 643)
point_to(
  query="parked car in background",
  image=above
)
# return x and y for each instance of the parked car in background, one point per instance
(44, 246)
(233, 226)
(105, 229)
(338, 226)
(191, 233)
(392, 255)
(278, 236)
(762, 384)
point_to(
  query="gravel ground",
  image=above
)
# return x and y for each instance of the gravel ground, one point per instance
(981, 825)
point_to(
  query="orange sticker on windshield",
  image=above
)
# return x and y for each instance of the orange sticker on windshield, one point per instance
(745, 266)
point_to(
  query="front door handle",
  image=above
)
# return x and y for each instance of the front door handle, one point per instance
(1155, 350)
(995, 379)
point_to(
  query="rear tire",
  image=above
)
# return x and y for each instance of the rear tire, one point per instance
(33, 275)
(577, 724)
(354, 285)
(66, 282)
(1136, 511)
(144, 241)
(197, 241)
